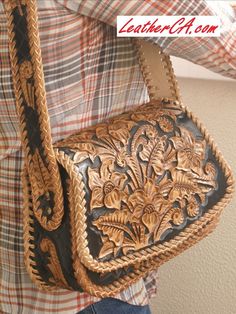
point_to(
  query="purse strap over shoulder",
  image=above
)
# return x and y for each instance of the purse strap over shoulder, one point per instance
(30, 95)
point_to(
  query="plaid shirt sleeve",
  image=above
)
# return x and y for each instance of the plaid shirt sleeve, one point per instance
(215, 53)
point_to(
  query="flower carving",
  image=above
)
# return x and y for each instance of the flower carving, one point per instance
(106, 186)
(190, 153)
(148, 204)
(148, 173)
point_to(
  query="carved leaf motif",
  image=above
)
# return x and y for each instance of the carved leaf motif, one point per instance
(40, 173)
(106, 169)
(164, 225)
(94, 179)
(138, 138)
(151, 220)
(84, 151)
(210, 171)
(152, 112)
(54, 266)
(177, 142)
(25, 73)
(153, 153)
(118, 154)
(188, 160)
(107, 247)
(113, 199)
(146, 151)
(172, 111)
(96, 186)
(138, 240)
(183, 186)
(117, 220)
(96, 198)
(113, 225)
(206, 179)
(121, 158)
(102, 131)
(135, 172)
(165, 186)
(148, 181)
(190, 151)
(118, 130)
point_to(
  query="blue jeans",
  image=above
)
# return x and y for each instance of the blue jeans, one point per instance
(114, 306)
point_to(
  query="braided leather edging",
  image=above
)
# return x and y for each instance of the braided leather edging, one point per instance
(43, 113)
(83, 280)
(176, 248)
(140, 270)
(28, 230)
(79, 206)
(45, 132)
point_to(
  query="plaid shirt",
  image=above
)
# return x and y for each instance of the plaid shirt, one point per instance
(90, 74)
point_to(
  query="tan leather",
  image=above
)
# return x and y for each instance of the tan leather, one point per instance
(157, 71)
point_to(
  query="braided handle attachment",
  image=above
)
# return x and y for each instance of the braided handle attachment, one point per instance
(30, 95)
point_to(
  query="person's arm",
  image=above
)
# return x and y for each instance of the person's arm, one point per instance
(215, 53)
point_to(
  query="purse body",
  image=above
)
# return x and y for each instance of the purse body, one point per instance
(107, 205)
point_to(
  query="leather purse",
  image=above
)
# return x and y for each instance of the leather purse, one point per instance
(116, 200)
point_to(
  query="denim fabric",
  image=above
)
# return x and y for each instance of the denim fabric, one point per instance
(114, 306)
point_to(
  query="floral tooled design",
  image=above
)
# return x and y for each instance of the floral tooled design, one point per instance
(25, 74)
(106, 186)
(190, 151)
(148, 204)
(41, 181)
(164, 114)
(53, 263)
(147, 174)
(119, 130)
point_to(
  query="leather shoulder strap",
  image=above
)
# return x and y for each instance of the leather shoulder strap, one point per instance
(29, 88)
(157, 71)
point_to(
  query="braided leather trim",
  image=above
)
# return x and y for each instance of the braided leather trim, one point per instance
(28, 229)
(83, 280)
(78, 206)
(145, 260)
(34, 68)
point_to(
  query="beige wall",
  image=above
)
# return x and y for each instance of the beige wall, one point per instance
(202, 280)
